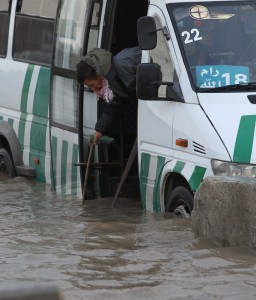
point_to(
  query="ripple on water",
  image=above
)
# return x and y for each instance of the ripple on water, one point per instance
(100, 252)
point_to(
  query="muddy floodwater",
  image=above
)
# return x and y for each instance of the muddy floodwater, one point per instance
(100, 252)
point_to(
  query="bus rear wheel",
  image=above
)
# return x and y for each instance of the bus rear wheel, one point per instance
(7, 169)
(180, 202)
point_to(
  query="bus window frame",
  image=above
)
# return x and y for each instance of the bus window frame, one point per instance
(16, 36)
(6, 33)
(71, 74)
(31, 61)
(7, 13)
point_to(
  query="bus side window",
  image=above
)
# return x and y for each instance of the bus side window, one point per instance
(4, 28)
(33, 32)
(94, 25)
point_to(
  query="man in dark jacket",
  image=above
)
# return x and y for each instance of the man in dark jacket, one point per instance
(94, 70)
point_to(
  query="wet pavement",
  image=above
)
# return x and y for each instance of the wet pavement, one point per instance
(100, 252)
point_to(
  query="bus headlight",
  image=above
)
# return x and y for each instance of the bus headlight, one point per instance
(225, 168)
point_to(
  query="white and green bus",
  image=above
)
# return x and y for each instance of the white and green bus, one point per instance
(46, 118)
(196, 85)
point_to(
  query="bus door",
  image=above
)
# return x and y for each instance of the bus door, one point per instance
(77, 30)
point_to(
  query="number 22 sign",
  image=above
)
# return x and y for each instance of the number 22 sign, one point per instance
(192, 36)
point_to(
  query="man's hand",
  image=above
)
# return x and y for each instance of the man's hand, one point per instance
(96, 136)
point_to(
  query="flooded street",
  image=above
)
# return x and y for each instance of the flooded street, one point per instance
(99, 252)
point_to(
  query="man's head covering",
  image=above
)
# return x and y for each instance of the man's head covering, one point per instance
(90, 61)
(98, 59)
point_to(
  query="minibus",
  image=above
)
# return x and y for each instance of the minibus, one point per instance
(193, 116)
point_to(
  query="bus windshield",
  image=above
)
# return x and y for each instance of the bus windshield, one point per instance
(218, 42)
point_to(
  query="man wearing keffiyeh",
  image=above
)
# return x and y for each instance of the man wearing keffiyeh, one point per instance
(95, 70)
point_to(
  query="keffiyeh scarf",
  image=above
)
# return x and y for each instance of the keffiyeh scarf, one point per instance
(105, 93)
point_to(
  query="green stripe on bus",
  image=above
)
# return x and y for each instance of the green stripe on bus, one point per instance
(10, 121)
(179, 166)
(74, 170)
(244, 139)
(38, 144)
(23, 105)
(64, 159)
(38, 132)
(21, 131)
(1, 118)
(42, 93)
(197, 177)
(54, 159)
(40, 166)
(144, 171)
(25, 89)
(52, 173)
(156, 191)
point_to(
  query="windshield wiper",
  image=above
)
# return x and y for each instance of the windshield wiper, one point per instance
(231, 87)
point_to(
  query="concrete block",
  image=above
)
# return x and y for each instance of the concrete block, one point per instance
(225, 211)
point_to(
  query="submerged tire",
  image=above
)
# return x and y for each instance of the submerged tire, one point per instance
(7, 169)
(180, 202)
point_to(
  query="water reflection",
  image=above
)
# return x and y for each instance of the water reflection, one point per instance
(100, 252)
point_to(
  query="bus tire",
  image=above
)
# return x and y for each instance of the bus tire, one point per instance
(180, 202)
(7, 169)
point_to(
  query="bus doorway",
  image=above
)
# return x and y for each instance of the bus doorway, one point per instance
(120, 32)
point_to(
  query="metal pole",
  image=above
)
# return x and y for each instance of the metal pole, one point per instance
(126, 171)
(87, 172)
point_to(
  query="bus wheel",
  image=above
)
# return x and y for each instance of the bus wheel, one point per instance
(7, 169)
(180, 202)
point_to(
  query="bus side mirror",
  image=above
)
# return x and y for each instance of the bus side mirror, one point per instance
(148, 81)
(147, 33)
